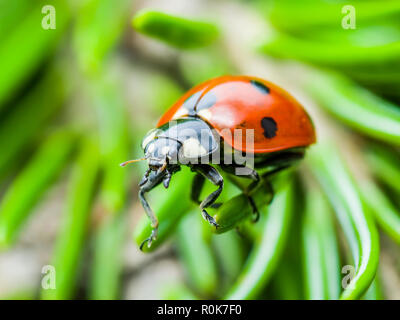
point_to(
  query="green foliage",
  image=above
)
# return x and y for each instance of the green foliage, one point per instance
(292, 15)
(353, 214)
(99, 26)
(320, 249)
(268, 249)
(238, 208)
(385, 213)
(178, 292)
(230, 251)
(9, 18)
(356, 106)
(28, 187)
(105, 278)
(120, 88)
(176, 31)
(115, 142)
(331, 53)
(200, 65)
(70, 242)
(26, 120)
(384, 164)
(15, 64)
(197, 255)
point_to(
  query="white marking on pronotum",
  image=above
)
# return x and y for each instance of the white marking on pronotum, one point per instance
(205, 113)
(150, 136)
(180, 113)
(192, 148)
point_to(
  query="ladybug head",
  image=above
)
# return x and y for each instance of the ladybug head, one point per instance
(176, 143)
(161, 152)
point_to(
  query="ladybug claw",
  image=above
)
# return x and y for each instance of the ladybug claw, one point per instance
(257, 216)
(142, 244)
(256, 213)
(209, 219)
(150, 239)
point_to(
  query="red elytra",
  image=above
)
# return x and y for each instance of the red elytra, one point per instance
(242, 102)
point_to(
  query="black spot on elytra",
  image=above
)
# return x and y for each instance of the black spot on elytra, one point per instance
(260, 86)
(243, 124)
(270, 127)
(207, 101)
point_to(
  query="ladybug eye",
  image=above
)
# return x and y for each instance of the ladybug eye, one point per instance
(150, 136)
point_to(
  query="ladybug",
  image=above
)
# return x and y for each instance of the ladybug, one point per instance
(202, 127)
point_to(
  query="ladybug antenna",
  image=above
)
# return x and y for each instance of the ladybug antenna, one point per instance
(123, 164)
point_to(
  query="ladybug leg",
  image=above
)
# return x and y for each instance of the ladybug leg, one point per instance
(197, 187)
(256, 180)
(256, 213)
(281, 160)
(248, 173)
(145, 177)
(153, 180)
(214, 177)
(275, 170)
(168, 175)
(167, 178)
(267, 186)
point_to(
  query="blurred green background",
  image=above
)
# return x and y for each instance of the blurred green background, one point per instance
(81, 82)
